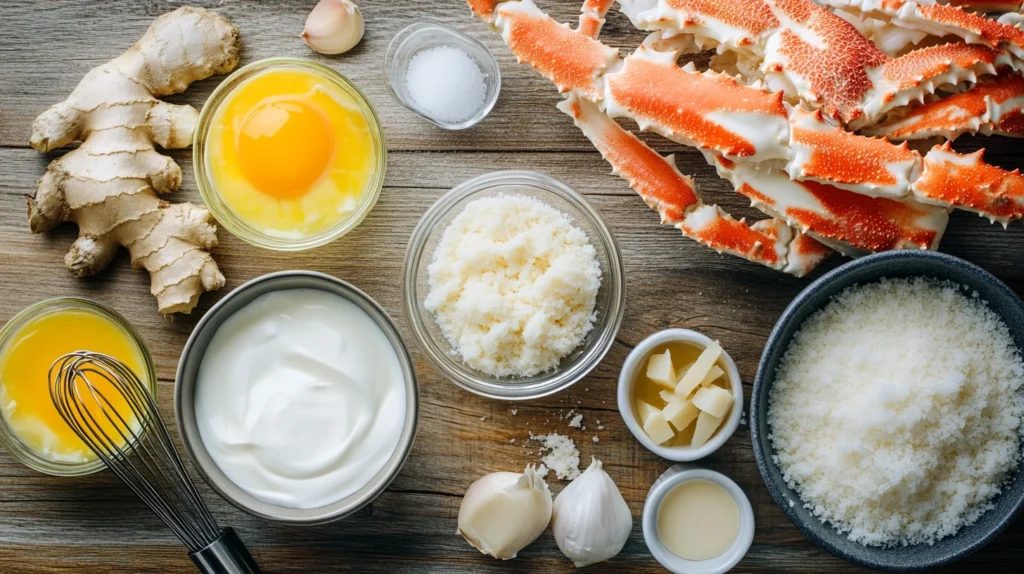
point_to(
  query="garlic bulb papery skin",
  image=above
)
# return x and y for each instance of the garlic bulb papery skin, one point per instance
(333, 27)
(591, 519)
(504, 512)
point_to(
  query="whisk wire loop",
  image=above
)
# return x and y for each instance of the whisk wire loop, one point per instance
(134, 444)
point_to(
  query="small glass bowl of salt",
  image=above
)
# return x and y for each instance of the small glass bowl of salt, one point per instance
(443, 75)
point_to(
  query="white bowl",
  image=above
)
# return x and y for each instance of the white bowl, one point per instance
(725, 561)
(635, 363)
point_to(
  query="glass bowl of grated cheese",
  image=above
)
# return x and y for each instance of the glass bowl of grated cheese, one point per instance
(473, 359)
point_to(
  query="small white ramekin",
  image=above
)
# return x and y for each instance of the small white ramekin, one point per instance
(725, 561)
(634, 365)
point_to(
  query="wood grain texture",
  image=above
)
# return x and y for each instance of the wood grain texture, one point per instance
(95, 525)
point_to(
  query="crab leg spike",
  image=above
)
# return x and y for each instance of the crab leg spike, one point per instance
(592, 17)
(992, 107)
(662, 187)
(967, 182)
(850, 223)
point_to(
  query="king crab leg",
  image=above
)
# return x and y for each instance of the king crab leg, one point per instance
(663, 188)
(993, 107)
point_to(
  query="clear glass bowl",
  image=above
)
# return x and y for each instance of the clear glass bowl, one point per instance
(235, 225)
(609, 307)
(8, 439)
(423, 36)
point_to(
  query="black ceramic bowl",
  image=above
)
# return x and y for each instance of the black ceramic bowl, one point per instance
(893, 264)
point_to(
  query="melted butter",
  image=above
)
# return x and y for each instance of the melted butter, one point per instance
(698, 520)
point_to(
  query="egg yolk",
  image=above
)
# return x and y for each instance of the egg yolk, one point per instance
(291, 153)
(284, 147)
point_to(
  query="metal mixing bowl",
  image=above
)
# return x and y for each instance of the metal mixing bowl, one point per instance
(192, 358)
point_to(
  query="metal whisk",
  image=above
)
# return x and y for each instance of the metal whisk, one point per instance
(134, 443)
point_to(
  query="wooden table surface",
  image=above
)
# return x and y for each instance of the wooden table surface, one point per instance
(95, 525)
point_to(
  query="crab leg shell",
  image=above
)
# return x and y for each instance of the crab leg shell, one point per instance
(663, 188)
(993, 107)
(848, 222)
(571, 60)
(986, 5)
(939, 20)
(967, 182)
(742, 25)
(702, 109)
(655, 178)
(831, 155)
(592, 17)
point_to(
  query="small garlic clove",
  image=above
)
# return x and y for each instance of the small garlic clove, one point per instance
(333, 27)
(591, 520)
(504, 512)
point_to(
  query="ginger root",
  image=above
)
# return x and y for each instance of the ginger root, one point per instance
(110, 185)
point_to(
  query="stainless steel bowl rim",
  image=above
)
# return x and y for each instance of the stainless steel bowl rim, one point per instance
(184, 411)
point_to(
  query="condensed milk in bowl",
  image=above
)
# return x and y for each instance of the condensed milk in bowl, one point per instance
(296, 398)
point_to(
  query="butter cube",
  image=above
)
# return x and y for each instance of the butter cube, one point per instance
(713, 400)
(657, 428)
(668, 396)
(661, 371)
(645, 411)
(713, 375)
(680, 412)
(700, 369)
(707, 424)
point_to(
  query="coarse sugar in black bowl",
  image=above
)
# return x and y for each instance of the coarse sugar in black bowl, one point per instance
(894, 264)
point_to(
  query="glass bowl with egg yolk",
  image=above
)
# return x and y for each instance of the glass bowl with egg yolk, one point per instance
(289, 154)
(31, 429)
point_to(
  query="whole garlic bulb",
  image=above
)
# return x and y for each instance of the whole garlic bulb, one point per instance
(591, 519)
(333, 27)
(504, 512)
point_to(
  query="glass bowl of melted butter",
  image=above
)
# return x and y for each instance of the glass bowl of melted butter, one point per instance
(289, 154)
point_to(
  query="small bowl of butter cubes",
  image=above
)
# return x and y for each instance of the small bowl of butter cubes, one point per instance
(680, 394)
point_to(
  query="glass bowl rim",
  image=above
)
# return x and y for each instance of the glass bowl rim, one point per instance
(606, 327)
(234, 224)
(8, 438)
(495, 69)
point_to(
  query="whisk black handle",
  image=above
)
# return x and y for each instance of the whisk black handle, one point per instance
(225, 555)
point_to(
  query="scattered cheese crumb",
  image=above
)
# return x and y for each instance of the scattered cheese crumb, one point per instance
(513, 285)
(596, 439)
(575, 422)
(483, 418)
(600, 427)
(515, 412)
(896, 411)
(563, 457)
(512, 441)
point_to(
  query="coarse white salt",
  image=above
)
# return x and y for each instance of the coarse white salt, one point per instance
(446, 84)
(896, 411)
(563, 457)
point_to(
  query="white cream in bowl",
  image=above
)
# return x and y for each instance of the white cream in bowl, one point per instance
(300, 398)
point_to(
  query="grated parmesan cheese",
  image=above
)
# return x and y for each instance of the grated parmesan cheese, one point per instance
(896, 411)
(513, 285)
(563, 457)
